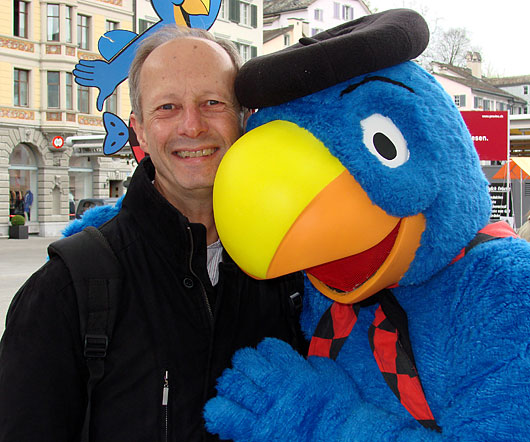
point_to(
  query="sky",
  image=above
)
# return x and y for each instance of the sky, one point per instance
(499, 29)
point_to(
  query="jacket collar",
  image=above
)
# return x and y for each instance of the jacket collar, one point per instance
(160, 222)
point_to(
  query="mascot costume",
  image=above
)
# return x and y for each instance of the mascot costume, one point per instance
(359, 169)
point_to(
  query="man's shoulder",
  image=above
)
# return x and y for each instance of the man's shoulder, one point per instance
(46, 295)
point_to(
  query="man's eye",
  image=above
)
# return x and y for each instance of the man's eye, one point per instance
(166, 107)
(213, 102)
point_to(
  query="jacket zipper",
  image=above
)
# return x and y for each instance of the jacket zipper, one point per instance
(165, 398)
(203, 290)
(210, 317)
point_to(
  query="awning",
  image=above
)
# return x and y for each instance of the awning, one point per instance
(519, 168)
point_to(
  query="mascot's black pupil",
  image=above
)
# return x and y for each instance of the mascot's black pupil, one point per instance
(384, 146)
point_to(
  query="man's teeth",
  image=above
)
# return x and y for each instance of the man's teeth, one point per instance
(195, 153)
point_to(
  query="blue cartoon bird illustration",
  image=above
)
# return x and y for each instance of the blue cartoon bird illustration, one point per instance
(359, 169)
(118, 48)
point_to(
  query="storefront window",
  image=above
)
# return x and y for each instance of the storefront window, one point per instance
(80, 173)
(23, 183)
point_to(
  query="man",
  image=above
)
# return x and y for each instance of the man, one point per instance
(182, 315)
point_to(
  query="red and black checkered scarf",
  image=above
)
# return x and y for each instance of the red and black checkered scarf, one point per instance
(389, 337)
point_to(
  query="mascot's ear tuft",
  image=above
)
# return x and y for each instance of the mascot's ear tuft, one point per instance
(358, 47)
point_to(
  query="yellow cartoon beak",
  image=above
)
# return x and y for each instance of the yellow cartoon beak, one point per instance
(283, 203)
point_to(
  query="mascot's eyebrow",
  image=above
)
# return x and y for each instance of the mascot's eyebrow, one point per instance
(352, 87)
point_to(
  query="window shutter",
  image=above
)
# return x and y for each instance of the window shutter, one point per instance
(254, 16)
(253, 51)
(233, 11)
(462, 100)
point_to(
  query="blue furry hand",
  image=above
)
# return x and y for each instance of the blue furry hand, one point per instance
(99, 74)
(273, 393)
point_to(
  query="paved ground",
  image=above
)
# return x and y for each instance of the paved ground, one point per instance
(19, 258)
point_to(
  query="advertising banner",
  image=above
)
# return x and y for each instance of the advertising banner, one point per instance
(489, 131)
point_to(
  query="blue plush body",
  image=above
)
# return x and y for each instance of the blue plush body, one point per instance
(469, 322)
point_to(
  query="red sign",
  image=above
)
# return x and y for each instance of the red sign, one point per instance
(58, 142)
(489, 131)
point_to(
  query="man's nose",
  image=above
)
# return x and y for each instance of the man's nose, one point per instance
(192, 123)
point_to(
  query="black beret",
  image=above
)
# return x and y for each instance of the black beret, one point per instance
(357, 47)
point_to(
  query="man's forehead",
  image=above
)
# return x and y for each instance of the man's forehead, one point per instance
(186, 45)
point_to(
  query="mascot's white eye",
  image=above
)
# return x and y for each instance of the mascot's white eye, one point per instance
(384, 140)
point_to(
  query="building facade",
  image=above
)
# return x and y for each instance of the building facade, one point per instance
(41, 105)
(317, 16)
(471, 91)
(518, 86)
(240, 21)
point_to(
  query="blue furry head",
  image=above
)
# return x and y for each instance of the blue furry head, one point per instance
(440, 176)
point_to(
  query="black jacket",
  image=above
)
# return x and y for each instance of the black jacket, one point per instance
(170, 320)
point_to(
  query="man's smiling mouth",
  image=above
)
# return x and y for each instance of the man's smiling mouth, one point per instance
(195, 153)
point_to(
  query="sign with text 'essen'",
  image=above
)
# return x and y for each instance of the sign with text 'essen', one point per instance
(489, 131)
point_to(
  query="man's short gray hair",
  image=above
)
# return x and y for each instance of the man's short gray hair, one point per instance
(158, 38)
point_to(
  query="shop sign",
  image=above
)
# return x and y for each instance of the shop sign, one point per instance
(489, 132)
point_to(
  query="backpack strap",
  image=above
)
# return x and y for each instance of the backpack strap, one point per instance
(97, 278)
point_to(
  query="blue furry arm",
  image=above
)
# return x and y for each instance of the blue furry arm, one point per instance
(272, 393)
(96, 216)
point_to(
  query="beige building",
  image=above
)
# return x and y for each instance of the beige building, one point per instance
(41, 105)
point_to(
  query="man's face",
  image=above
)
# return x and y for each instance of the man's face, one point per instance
(190, 114)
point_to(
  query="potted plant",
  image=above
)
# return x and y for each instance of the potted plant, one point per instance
(18, 228)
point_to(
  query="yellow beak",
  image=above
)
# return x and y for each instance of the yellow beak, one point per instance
(191, 7)
(283, 203)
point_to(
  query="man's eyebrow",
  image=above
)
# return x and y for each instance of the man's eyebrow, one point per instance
(352, 87)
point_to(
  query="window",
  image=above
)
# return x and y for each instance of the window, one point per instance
(144, 25)
(68, 24)
(460, 100)
(525, 90)
(20, 22)
(53, 22)
(53, 89)
(222, 10)
(286, 40)
(82, 99)
(111, 103)
(319, 14)
(20, 87)
(111, 25)
(478, 103)
(336, 10)
(246, 51)
(501, 106)
(487, 105)
(69, 91)
(244, 13)
(347, 13)
(23, 181)
(83, 31)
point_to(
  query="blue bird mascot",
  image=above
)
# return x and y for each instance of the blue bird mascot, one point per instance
(359, 170)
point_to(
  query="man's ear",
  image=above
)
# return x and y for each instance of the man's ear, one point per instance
(246, 113)
(139, 131)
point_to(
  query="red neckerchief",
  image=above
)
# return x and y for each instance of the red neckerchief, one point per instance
(389, 337)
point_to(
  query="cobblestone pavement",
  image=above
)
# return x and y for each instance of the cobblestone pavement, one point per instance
(19, 258)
